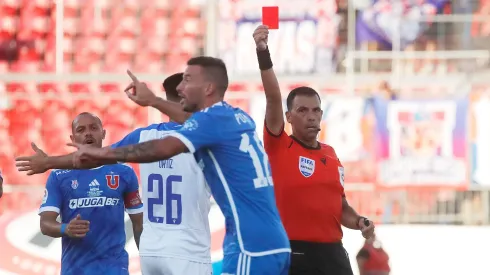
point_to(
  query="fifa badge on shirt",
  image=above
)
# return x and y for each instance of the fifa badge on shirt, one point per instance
(74, 184)
(306, 166)
(341, 175)
(45, 198)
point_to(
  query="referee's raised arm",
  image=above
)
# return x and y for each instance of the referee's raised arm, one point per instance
(273, 113)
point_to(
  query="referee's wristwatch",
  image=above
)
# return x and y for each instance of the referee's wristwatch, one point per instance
(364, 220)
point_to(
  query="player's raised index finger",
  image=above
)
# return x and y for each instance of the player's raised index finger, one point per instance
(133, 77)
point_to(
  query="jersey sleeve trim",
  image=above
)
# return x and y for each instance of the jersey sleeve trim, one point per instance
(135, 210)
(49, 209)
(272, 134)
(184, 140)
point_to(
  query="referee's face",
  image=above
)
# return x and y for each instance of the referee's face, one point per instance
(305, 117)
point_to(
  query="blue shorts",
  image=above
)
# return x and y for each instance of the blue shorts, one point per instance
(241, 264)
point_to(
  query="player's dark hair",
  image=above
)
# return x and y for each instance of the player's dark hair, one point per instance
(300, 91)
(99, 121)
(215, 70)
(170, 86)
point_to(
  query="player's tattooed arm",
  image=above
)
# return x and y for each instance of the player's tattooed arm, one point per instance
(66, 162)
(144, 152)
(40, 162)
(172, 109)
(273, 113)
(150, 151)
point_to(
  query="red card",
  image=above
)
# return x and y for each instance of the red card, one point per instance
(270, 17)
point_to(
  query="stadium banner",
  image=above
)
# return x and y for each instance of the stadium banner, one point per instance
(480, 138)
(387, 21)
(26, 251)
(304, 43)
(346, 125)
(421, 143)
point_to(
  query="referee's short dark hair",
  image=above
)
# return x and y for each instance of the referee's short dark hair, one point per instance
(214, 70)
(300, 91)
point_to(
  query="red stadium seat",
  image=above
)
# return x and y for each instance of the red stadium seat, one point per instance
(126, 25)
(123, 45)
(91, 47)
(33, 26)
(147, 62)
(4, 67)
(154, 24)
(161, 6)
(71, 26)
(158, 45)
(94, 26)
(71, 8)
(37, 7)
(25, 66)
(8, 26)
(10, 6)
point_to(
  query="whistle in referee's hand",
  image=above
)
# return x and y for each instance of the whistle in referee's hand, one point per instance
(367, 222)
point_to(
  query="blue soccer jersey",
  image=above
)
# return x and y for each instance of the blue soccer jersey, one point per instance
(99, 195)
(236, 167)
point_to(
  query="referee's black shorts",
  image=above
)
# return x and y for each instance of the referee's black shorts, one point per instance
(309, 258)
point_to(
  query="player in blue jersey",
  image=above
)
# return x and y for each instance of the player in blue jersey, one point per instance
(91, 204)
(176, 237)
(226, 146)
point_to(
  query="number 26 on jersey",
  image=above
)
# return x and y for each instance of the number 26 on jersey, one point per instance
(167, 201)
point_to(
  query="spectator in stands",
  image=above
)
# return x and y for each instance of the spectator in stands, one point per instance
(372, 259)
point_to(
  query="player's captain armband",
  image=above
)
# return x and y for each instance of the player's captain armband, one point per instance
(132, 200)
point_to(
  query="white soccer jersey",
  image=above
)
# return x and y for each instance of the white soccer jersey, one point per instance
(176, 202)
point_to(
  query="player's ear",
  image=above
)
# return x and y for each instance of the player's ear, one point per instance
(103, 134)
(288, 116)
(210, 88)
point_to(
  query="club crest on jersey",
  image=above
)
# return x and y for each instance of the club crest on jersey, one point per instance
(306, 166)
(112, 181)
(74, 184)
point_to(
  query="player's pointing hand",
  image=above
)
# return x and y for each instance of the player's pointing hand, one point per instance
(139, 92)
(35, 164)
(261, 36)
(77, 228)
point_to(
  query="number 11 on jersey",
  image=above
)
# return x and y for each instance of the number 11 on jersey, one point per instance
(167, 200)
(262, 169)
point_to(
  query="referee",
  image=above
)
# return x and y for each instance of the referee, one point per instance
(308, 177)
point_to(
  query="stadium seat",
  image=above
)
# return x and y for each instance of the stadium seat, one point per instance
(33, 26)
(71, 26)
(149, 63)
(10, 6)
(8, 26)
(37, 7)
